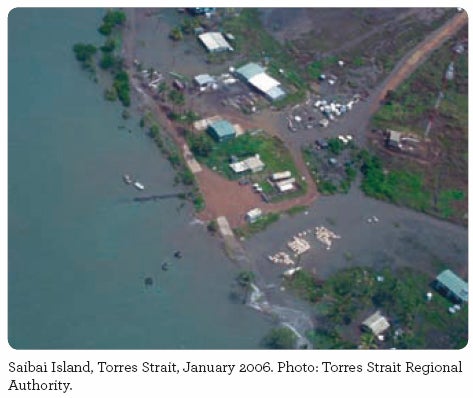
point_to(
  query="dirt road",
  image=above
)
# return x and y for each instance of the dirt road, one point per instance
(411, 61)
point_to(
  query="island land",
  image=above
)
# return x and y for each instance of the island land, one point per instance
(329, 149)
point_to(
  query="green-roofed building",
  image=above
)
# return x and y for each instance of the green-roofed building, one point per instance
(221, 130)
(452, 286)
(249, 71)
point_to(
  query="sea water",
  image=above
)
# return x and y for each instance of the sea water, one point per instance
(79, 247)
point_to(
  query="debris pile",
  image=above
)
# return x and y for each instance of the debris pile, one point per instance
(298, 245)
(325, 236)
(281, 258)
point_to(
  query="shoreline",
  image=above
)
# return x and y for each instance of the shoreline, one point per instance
(393, 242)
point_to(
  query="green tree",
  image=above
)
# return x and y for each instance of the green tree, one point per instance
(176, 97)
(108, 61)
(201, 146)
(84, 52)
(176, 33)
(367, 341)
(122, 85)
(280, 338)
(111, 20)
(245, 278)
(109, 45)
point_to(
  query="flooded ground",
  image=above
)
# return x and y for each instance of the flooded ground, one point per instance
(401, 237)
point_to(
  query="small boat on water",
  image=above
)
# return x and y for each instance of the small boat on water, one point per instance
(138, 185)
(127, 179)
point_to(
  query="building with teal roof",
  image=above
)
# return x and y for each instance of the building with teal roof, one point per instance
(221, 130)
(452, 286)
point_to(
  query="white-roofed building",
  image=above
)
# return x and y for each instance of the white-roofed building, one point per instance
(256, 76)
(254, 164)
(204, 80)
(376, 323)
(215, 42)
(263, 82)
(286, 185)
(282, 175)
(253, 215)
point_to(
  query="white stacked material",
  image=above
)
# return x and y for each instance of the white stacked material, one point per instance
(325, 236)
(298, 245)
(281, 258)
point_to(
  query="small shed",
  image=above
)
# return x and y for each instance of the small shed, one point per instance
(221, 130)
(255, 164)
(214, 42)
(204, 80)
(394, 139)
(253, 215)
(286, 185)
(452, 286)
(282, 175)
(375, 323)
(238, 167)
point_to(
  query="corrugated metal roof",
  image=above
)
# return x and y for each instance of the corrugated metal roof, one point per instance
(214, 41)
(250, 70)
(223, 128)
(254, 163)
(263, 82)
(276, 93)
(377, 323)
(454, 283)
(204, 79)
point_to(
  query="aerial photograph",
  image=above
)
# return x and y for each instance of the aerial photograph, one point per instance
(238, 178)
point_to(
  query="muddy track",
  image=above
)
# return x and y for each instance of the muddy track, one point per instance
(227, 198)
(412, 60)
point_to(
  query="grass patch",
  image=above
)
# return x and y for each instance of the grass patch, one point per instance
(399, 294)
(402, 187)
(446, 200)
(272, 151)
(260, 225)
(296, 210)
(255, 43)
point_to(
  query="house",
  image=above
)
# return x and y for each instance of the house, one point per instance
(255, 75)
(204, 80)
(286, 185)
(394, 139)
(376, 323)
(452, 286)
(281, 175)
(249, 71)
(214, 42)
(253, 215)
(221, 130)
(254, 164)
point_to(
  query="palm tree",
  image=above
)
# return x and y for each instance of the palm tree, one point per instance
(367, 341)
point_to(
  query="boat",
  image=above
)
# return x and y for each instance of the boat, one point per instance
(139, 185)
(127, 179)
